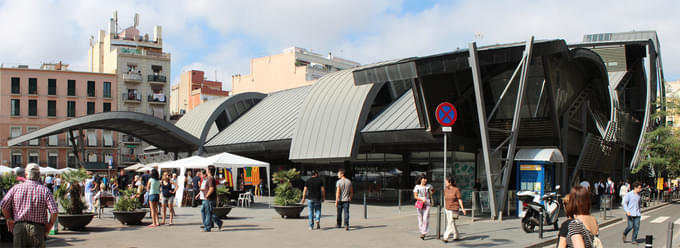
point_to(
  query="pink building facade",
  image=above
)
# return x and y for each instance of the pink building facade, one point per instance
(31, 99)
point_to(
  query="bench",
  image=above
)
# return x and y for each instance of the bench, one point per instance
(105, 201)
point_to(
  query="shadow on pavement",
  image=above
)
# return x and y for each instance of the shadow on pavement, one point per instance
(351, 228)
(59, 242)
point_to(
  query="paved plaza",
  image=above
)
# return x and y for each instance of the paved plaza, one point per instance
(261, 226)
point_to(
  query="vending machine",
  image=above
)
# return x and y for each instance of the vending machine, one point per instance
(535, 170)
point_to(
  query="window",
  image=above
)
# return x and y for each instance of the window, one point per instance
(91, 157)
(32, 107)
(16, 107)
(90, 89)
(14, 132)
(32, 86)
(132, 68)
(108, 157)
(52, 87)
(35, 142)
(71, 162)
(16, 88)
(51, 108)
(71, 109)
(108, 138)
(53, 140)
(107, 90)
(91, 137)
(52, 159)
(71, 88)
(33, 157)
(90, 108)
(16, 159)
(75, 137)
(107, 107)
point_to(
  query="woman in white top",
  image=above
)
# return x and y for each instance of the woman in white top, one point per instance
(423, 192)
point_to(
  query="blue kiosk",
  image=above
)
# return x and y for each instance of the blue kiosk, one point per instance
(536, 171)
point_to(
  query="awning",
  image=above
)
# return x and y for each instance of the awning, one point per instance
(553, 155)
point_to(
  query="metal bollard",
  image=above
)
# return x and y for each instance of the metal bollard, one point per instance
(540, 225)
(474, 204)
(648, 241)
(399, 196)
(669, 235)
(365, 207)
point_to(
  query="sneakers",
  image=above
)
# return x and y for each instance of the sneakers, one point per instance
(311, 228)
(623, 237)
(347, 228)
(317, 225)
(337, 226)
(219, 226)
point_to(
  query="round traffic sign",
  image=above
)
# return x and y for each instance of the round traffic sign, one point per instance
(446, 114)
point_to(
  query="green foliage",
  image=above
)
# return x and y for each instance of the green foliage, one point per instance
(285, 193)
(7, 180)
(69, 193)
(662, 145)
(223, 193)
(126, 202)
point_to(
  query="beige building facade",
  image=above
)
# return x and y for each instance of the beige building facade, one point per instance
(192, 90)
(293, 68)
(32, 98)
(143, 73)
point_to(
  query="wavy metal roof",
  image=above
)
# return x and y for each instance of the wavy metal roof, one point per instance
(330, 118)
(273, 118)
(156, 132)
(401, 115)
(219, 112)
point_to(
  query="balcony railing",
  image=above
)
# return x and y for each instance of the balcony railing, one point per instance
(130, 139)
(157, 78)
(131, 97)
(132, 77)
(157, 98)
(128, 158)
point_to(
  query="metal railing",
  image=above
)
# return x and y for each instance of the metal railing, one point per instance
(157, 78)
(131, 97)
(157, 98)
(132, 76)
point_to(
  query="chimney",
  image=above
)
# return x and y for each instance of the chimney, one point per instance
(157, 33)
(112, 26)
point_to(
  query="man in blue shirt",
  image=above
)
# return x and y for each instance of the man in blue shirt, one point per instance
(631, 204)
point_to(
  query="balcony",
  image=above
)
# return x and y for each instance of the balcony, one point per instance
(132, 77)
(157, 79)
(157, 99)
(129, 139)
(132, 97)
(128, 159)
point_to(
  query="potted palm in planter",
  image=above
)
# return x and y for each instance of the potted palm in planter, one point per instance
(7, 180)
(68, 195)
(127, 209)
(287, 198)
(223, 205)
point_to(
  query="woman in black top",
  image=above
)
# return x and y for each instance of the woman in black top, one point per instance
(581, 228)
(168, 196)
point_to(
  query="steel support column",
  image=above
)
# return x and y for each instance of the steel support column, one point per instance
(512, 145)
(481, 116)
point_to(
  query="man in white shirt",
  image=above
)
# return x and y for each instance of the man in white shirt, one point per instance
(585, 184)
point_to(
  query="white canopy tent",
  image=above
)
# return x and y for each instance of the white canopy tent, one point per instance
(64, 170)
(221, 160)
(134, 167)
(49, 171)
(5, 169)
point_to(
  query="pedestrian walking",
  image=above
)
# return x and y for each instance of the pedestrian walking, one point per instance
(208, 191)
(168, 197)
(89, 192)
(623, 191)
(315, 193)
(454, 204)
(423, 194)
(581, 228)
(343, 196)
(49, 182)
(26, 207)
(196, 185)
(631, 204)
(154, 190)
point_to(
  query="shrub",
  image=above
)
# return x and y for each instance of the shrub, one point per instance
(69, 193)
(126, 202)
(285, 193)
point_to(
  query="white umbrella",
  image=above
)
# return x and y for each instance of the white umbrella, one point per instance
(64, 170)
(135, 167)
(49, 171)
(143, 169)
(5, 169)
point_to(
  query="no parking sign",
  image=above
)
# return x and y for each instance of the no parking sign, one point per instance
(446, 114)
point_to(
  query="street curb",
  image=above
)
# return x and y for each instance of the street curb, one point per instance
(604, 224)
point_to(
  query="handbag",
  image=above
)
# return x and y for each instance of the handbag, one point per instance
(419, 204)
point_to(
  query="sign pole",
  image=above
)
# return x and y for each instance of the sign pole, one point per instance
(446, 115)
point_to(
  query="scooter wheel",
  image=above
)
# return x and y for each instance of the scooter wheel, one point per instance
(528, 227)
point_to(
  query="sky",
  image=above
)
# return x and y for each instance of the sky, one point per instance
(220, 37)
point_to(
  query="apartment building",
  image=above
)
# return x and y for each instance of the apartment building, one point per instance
(193, 89)
(143, 74)
(33, 98)
(293, 68)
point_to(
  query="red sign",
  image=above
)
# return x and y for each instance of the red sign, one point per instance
(446, 114)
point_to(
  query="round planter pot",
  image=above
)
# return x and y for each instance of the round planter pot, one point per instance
(290, 211)
(222, 212)
(75, 221)
(130, 218)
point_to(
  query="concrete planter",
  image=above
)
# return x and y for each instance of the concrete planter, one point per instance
(290, 211)
(222, 212)
(75, 221)
(130, 218)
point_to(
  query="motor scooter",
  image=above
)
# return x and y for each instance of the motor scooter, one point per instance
(532, 207)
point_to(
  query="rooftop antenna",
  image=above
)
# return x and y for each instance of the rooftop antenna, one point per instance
(115, 20)
(136, 20)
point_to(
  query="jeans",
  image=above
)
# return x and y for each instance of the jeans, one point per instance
(451, 228)
(207, 215)
(314, 211)
(424, 219)
(634, 224)
(343, 207)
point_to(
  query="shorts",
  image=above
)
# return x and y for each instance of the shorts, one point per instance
(153, 197)
(169, 199)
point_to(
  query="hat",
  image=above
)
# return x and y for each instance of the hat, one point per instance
(33, 168)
